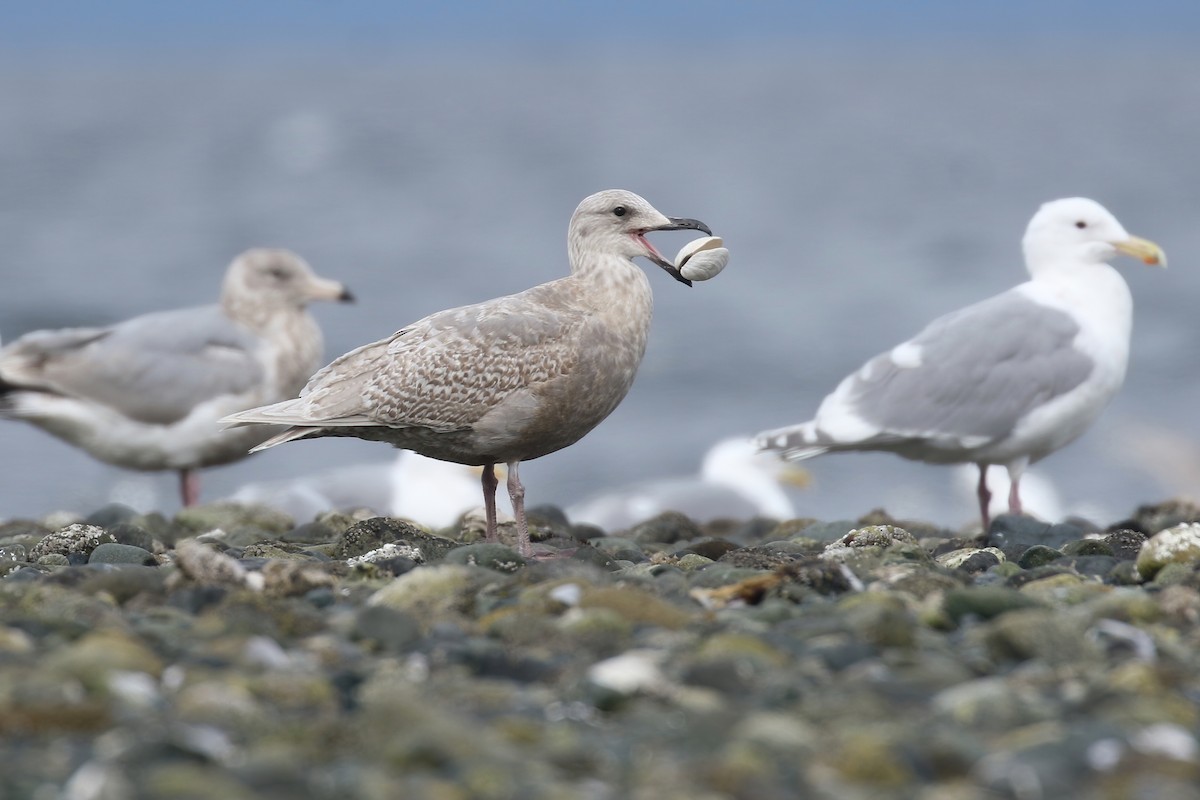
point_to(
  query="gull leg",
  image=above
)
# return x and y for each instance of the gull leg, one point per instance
(490, 483)
(985, 497)
(516, 493)
(1014, 487)
(189, 487)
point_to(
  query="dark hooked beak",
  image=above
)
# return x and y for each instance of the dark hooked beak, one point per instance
(683, 224)
(677, 224)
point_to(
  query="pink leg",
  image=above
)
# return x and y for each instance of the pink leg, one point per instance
(985, 497)
(1014, 495)
(189, 487)
(489, 499)
(516, 493)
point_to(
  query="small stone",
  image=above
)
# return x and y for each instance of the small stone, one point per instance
(76, 538)
(393, 630)
(232, 517)
(492, 556)
(12, 553)
(1177, 545)
(971, 559)
(371, 534)
(1125, 544)
(985, 602)
(440, 593)
(203, 564)
(1038, 556)
(689, 562)
(1014, 534)
(110, 515)
(129, 533)
(111, 553)
(1087, 547)
(667, 528)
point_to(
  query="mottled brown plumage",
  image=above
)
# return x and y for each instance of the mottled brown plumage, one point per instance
(509, 379)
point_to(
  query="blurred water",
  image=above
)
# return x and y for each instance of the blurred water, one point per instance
(862, 191)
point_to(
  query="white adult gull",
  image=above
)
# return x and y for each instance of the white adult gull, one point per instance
(509, 379)
(1005, 381)
(146, 393)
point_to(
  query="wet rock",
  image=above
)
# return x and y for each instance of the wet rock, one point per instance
(1038, 556)
(444, 592)
(1087, 547)
(76, 538)
(203, 564)
(985, 602)
(711, 549)
(492, 556)
(619, 548)
(388, 628)
(1151, 519)
(110, 515)
(129, 533)
(1014, 534)
(1125, 544)
(667, 528)
(1177, 545)
(372, 534)
(232, 518)
(971, 559)
(111, 553)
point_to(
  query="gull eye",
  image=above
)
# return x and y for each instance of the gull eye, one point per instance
(620, 211)
(1081, 224)
(278, 273)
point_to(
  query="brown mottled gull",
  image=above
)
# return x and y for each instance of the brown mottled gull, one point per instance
(509, 379)
(147, 393)
(1005, 381)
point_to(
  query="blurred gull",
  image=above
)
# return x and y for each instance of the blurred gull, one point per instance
(1005, 381)
(736, 481)
(427, 491)
(509, 379)
(147, 393)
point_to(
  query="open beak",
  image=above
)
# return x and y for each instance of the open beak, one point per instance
(325, 289)
(673, 224)
(1143, 250)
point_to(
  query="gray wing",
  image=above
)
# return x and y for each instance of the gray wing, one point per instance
(154, 368)
(981, 370)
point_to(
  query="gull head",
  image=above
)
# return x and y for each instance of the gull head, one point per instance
(1079, 231)
(615, 222)
(277, 278)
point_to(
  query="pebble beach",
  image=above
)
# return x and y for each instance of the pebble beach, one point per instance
(233, 652)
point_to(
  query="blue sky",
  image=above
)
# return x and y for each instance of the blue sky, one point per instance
(149, 25)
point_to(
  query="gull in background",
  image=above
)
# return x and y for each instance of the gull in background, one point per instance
(147, 393)
(1005, 381)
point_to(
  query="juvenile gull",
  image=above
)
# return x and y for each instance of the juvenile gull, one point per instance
(1005, 381)
(736, 481)
(147, 393)
(509, 379)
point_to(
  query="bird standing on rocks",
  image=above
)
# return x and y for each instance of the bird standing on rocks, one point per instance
(1005, 381)
(147, 393)
(509, 379)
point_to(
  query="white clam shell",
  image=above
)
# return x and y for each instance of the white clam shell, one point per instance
(701, 259)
